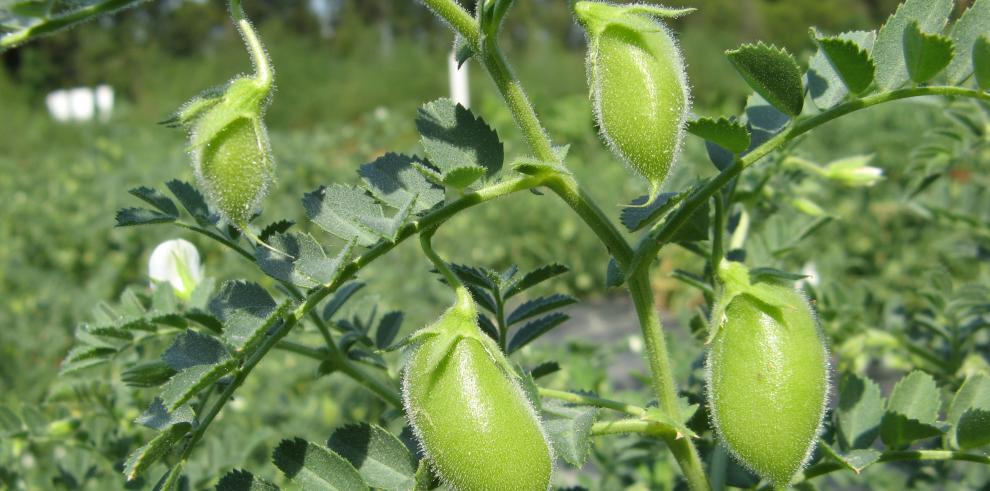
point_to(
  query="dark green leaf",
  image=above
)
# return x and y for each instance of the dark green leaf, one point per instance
(763, 119)
(724, 132)
(187, 383)
(155, 198)
(247, 312)
(192, 348)
(482, 298)
(973, 429)
(455, 139)
(772, 73)
(569, 429)
(981, 62)
(911, 411)
(925, 54)
(158, 447)
(888, 52)
(10, 422)
(172, 480)
(382, 460)
(857, 460)
(692, 280)
(158, 417)
(128, 217)
(532, 330)
(825, 84)
(277, 227)
(540, 305)
(859, 413)
(340, 297)
(757, 275)
(973, 395)
(487, 326)
(241, 480)
(638, 214)
(544, 369)
(300, 260)
(534, 278)
(388, 328)
(462, 50)
(850, 60)
(192, 200)
(316, 468)
(696, 228)
(351, 214)
(84, 356)
(394, 180)
(897, 430)
(916, 396)
(614, 277)
(971, 25)
(474, 276)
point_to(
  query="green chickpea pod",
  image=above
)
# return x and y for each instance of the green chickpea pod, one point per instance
(468, 411)
(767, 375)
(638, 87)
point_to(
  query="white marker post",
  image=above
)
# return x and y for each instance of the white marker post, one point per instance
(460, 90)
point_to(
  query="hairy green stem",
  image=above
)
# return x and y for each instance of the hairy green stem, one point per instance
(458, 18)
(663, 378)
(259, 57)
(640, 426)
(900, 455)
(587, 400)
(62, 21)
(662, 233)
(425, 238)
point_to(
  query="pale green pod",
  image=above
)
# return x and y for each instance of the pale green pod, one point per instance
(472, 418)
(638, 86)
(767, 374)
(228, 142)
(235, 167)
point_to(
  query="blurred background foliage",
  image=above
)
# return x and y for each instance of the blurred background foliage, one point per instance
(350, 74)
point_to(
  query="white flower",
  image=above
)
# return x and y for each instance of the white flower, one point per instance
(853, 171)
(177, 263)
